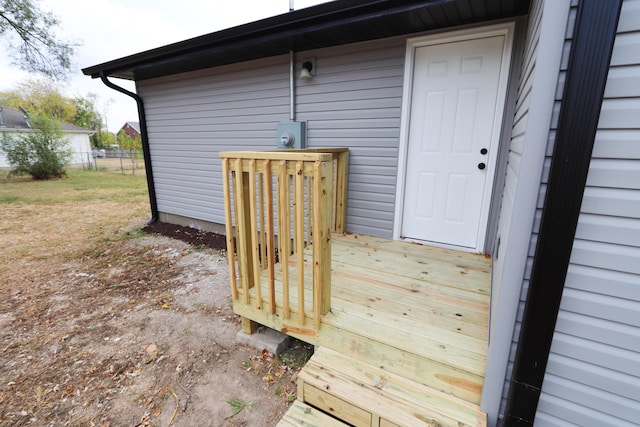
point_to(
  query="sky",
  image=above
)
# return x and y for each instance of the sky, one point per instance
(111, 29)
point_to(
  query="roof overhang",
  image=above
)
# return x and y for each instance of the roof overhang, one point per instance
(329, 24)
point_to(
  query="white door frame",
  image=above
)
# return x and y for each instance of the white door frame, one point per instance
(505, 30)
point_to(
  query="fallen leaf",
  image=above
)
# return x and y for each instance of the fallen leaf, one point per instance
(153, 356)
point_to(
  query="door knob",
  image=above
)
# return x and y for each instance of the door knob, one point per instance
(481, 166)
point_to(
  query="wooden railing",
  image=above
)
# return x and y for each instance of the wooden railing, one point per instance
(281, 202)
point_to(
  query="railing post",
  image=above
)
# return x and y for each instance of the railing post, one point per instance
(342, 176)
(243, 237)
(299, 235)
(323, 198)
(241, 229)
(246, 202)
(249, 327)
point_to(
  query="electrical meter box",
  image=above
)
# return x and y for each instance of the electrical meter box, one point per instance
(291, 135)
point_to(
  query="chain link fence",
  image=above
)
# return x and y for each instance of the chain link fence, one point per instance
(126, 162)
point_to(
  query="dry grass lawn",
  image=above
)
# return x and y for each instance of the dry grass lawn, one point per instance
(45, 223)
(102, 325)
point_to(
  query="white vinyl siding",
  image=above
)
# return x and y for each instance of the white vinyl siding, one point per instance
(353, 101)
(593, 376)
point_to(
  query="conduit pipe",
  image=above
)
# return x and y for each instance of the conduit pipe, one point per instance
(292, 87)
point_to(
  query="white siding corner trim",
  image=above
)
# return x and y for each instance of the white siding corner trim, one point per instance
(538, 82)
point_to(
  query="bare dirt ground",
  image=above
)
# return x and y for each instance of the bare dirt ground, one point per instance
(102, 324)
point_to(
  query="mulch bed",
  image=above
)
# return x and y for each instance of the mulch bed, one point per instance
(188, 235)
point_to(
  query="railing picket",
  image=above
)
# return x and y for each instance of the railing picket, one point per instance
(226, 188)
(254, 232)
(299, 236)
(268, 189)
(309, 216)
(285, 235)
(263, 234)
(295, 217)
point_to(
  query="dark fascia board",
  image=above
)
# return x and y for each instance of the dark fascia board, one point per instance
(328, 24)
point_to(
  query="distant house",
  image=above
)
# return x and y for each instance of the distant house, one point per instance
(14, 122)
(505, 128)
(131, 128)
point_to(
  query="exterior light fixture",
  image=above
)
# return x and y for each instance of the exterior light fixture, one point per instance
(305, 73)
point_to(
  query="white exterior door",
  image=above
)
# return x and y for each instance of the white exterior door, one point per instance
(457, 96)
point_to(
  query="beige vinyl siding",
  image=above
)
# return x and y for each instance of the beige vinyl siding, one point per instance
(354, 101)
(593, 376)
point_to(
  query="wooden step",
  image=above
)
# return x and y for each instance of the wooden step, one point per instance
(365, 395)
(301, 414)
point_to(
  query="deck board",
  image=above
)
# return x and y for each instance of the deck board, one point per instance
(431, 310)
(441, 272)
(418, 311)
(401, 400)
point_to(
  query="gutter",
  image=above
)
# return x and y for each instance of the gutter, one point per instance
(280, 27)
(589, 61)
(146, 151)
(324, 25)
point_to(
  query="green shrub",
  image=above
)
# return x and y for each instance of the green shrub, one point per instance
(41, 153)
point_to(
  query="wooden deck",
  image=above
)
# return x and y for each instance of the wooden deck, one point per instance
(415, 311)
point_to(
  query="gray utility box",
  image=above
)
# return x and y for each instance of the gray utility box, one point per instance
(291, 135)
